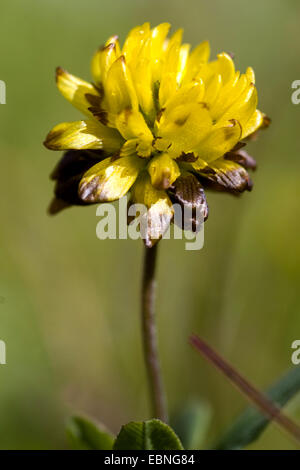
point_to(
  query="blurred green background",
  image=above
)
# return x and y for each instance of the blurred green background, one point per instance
(69, 310)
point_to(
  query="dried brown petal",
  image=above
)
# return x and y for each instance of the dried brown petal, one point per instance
(189, 194)
(225, 175)
(67, 174)
(187, 157)
(242, 158)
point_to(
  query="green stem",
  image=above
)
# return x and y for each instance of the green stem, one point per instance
(159, 405)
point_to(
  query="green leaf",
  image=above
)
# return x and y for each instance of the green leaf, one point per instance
(147, 435)
(87, 435)
(192, 422)
(251, 423)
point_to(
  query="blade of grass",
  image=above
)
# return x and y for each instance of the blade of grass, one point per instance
(249, 425)
(263, 403)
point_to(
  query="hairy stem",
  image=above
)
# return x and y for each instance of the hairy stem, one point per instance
(158, 399)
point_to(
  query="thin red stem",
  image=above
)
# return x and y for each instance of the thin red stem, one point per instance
(263, 403)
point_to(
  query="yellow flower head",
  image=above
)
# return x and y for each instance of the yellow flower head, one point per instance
(162, 121)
